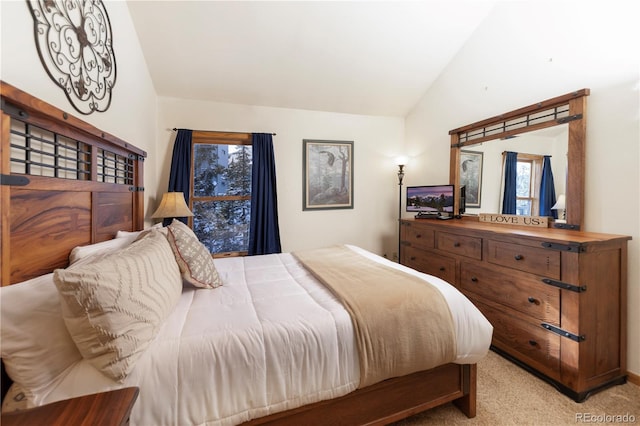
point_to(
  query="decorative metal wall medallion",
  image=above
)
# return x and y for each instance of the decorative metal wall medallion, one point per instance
(75, 45)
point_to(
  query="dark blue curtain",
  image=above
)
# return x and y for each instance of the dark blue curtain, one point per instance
(510, 175)
(547, 190)
(180, 175)
(264, 232)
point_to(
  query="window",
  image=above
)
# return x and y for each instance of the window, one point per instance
(529, 174)
(221, 190)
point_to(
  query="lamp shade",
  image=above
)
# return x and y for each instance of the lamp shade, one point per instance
(560, 203)
(401, 160)
(172, 205)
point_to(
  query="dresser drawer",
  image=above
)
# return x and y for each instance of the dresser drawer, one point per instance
(521, 291)
(431, 263)
(526, 340)
(416, 236)
(462, 245)
(539, 261)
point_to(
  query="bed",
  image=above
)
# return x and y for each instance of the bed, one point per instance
(294, 365)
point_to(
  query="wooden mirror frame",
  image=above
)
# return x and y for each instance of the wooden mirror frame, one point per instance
(569, 108)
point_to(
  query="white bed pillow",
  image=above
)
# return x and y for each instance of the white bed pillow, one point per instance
(82, 252)
(113, 307)
(36, 346)
(193, 258)
(135, 234)
(122, 239)
(126, 234)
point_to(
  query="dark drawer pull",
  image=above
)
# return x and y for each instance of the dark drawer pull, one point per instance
(566, 286)
(442, 268)
(474, 279)
(418, 236)
(518, 257)
(413, 258)
(564, 333)
(533, 343)
(456, 244)
(533, 300)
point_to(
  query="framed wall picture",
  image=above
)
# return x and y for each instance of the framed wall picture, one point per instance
(327, 168)
(471, 176)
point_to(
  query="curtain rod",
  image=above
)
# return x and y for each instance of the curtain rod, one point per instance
(175, 129)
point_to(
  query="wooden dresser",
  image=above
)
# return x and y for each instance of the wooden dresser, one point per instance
(556, 298)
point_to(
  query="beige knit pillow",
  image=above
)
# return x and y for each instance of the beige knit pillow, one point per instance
(193, 258)
(114, 307)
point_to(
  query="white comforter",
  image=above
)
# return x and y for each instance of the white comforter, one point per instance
(272, 338)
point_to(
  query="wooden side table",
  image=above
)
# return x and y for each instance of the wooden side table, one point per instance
(101, 409)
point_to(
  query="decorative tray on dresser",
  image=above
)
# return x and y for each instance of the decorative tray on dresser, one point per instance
(556, 298)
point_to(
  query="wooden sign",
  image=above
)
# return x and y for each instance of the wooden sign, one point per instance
(512, 219)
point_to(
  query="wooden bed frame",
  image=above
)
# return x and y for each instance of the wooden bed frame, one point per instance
(65, 184)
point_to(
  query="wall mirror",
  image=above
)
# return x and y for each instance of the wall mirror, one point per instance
(555, 127)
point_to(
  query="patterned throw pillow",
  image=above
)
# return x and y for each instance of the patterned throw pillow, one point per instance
(114, 306)
(193, 258)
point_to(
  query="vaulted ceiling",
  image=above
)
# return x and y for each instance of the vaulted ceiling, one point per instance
(362, 57)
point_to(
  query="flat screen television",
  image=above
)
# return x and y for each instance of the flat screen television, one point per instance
(430, 199)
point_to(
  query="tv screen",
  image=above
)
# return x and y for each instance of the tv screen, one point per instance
(430, 199)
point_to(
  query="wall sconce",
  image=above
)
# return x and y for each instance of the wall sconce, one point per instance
(560, 205)
(172, 205)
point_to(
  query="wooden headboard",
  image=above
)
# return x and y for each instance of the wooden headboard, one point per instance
(64, 183)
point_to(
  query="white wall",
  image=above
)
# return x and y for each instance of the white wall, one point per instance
(371, 224)
(132, 113)
(527, 52)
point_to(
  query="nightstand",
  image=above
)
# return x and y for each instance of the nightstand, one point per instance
(99, 409)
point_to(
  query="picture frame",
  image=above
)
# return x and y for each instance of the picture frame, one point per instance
(327, 174)
(471, 176)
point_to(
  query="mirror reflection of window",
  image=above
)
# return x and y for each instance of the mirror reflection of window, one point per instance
(523, 188)
(529, 146)
(529, 169)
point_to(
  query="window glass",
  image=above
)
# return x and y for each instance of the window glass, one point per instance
(222, 226)
(523, 207)
(523, 180)
(238, 174)
(209, 165)
(524, 191)
(221, 195)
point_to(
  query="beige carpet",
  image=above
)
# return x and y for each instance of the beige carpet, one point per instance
(508, 395)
